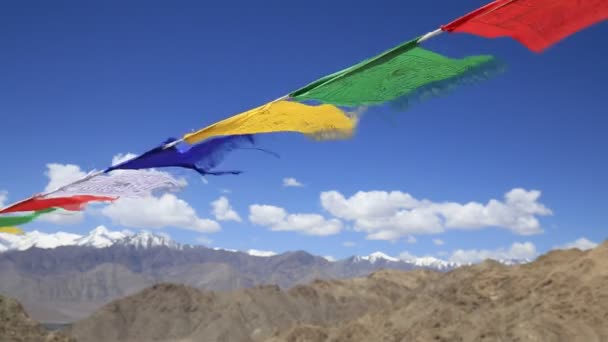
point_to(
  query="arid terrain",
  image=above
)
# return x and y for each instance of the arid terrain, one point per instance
(17, 326)
(66, 284)
(561, 296)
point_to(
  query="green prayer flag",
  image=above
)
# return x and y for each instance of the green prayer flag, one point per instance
(9, 221)
(404, 73)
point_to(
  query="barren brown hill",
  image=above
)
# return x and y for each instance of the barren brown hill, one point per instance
(69, 283)
(15, 325)
(562, 296)
(168, 312)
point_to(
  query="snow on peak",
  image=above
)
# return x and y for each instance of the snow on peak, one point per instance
(330, 258)
(429, 261)
(425, 261)
(99, 237)
(224, 249)
(258, 253)
(145, 239)
(374, 257)
(37, 239)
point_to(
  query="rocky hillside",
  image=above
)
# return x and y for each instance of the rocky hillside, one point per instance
(167, 312)
(16, 325)
(562, 296)
(64, 277)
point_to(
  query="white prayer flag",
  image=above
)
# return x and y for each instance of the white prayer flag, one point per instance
(126, 183)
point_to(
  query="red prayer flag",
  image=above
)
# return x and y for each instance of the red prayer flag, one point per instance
(73, 203)
(537, 24)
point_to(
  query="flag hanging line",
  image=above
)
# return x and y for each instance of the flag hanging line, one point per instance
(93, 174)
(430, 35)
(536, 24)
(423, 38)
(183, 139)
(47, 193)
(499, 18)
(69, 203)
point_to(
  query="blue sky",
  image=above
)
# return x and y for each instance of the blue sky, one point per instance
(83, 82)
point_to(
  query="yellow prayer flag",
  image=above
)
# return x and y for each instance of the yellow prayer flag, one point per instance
(11, 230)
(323, 121)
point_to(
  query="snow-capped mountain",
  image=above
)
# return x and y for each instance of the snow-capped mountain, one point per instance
(146, 239)
(252, 252)
(376, 256)
(36, 239)
(99, 237)
(224, 249)
(258, 253)
(427, 262)
(432, 262)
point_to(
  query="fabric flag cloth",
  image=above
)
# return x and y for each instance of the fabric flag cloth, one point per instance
(11, 230)
(537, 24)
(201, 157)
(73, 203)
(323, 121)
(11, 221)
(402, 74)
(128, 183)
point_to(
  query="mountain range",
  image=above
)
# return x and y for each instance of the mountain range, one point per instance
(63, 277)
(561, 296)
(101, 237)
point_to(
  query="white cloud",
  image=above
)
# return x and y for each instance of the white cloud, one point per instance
(63, 217)
(266, 215)
(517, 251)
(204, 240)
(518, 213)
(366, 204)
(348, 244)
(277, 219)
(329, 258)
(135, 212)
(582, 244)
(158, 212)
(393, 215)
(3, 198)
(121, 158)
(438, 242)
(226, 191)
(290, 181)
(259, 253)
(411, 239)
(223, 211)
(62, 174)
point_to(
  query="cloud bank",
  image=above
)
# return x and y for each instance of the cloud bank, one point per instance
(392, 215)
